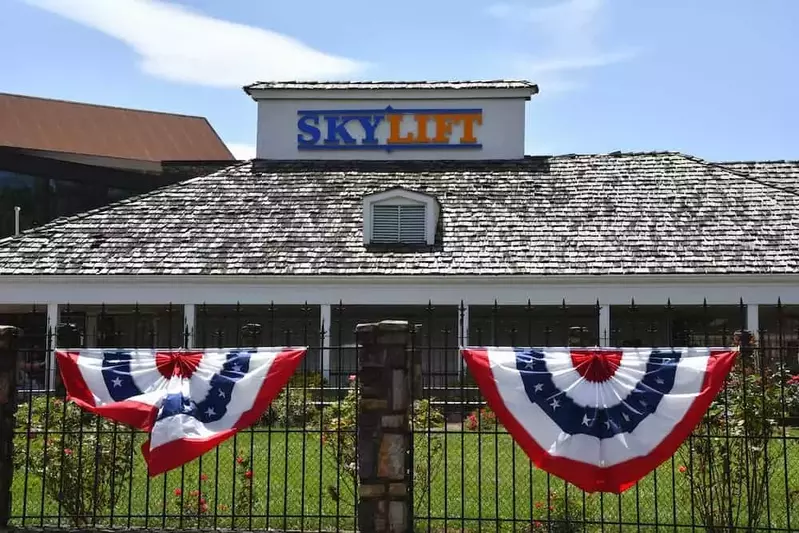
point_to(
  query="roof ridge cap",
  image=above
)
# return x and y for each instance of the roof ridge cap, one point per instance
(740, 173)
(758, 161)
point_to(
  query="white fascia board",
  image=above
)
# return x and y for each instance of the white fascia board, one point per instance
(398, 290)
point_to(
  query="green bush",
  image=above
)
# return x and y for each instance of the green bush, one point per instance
(727, 460)
(483, 419)
(292, 408)
(313, 381)
(83, 460)
(562, 512)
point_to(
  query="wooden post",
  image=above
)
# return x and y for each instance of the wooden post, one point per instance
(386, 374)
(8, 407)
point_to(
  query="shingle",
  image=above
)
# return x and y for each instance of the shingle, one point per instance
(651, 213)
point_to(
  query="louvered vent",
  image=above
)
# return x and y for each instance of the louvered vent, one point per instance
(399, 224)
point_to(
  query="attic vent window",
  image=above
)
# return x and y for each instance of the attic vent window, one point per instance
(399, 216)
(399, 224)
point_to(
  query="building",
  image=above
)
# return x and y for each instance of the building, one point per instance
(387, 196)
(61, 158)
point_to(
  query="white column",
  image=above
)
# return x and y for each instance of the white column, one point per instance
(91, 329)
(463, 332)
(324, 320)
(753, 319)
(52, 331)
(604, 325)
(188, 323)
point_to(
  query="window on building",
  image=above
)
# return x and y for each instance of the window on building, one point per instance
(399, 223)
(400, 216)
(16, 190)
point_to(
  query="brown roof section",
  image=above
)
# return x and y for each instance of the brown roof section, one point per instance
(74, 127)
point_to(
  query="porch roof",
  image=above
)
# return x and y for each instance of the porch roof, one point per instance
(620, 213)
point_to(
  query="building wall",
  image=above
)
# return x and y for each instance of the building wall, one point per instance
(501, 134)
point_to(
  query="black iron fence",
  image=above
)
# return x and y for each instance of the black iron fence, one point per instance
(297, 468)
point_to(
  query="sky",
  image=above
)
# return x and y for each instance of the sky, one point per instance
(712, 78)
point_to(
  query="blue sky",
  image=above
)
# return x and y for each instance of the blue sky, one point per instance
(713, 78)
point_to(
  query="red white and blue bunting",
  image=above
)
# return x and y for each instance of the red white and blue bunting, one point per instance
(601, 419)
(188, 400)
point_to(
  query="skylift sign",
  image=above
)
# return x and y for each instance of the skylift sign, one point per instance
(389, 129)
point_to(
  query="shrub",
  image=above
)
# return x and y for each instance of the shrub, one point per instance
(727, 461)
(312, 381)
(561, 513)
(483, 419)
(195, 505)
(82, 459)
(293, 407)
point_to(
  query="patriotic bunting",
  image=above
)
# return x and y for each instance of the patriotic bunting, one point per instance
(188, 400)
(601, 419)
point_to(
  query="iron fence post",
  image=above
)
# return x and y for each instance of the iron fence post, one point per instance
(8, 407)
(386, 372)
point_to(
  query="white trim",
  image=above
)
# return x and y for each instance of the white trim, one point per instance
(604, 325)
(400, 196)
(392, 290)
(324, 314)
(189, 323)
(53, 318)
(463, 333)
(487, 279)
(91, 329)
(753, 319)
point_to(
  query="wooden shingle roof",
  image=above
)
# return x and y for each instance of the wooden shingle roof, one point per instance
(648, 213)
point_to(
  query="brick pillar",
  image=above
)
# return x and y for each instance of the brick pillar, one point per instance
(386, 373)
(8, 406)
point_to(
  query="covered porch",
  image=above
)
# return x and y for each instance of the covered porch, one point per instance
(238, 312)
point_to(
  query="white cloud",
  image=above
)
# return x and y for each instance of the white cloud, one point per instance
(242, 151)
(568, 35)
(181, 45)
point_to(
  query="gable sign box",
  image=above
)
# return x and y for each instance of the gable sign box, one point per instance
(391, 120)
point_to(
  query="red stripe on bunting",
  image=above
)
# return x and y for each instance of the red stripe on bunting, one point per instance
(137, 414)
(589, 477)
(178, 452)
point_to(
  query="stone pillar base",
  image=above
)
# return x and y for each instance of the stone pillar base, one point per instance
(384, 436)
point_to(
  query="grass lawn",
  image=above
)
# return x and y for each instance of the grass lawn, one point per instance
(296, 485)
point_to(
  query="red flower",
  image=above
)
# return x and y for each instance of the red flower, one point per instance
(539, 505)
(178, 492)
(248, 474)
(537, 524)
(204, 508)
(195, 492)
(67, 451)
(352, 378)
(682, 469)
(202, 501)
(239, 459)
(551, 508)
(204, 477)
